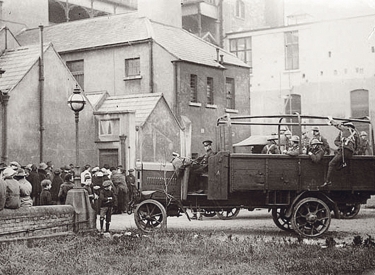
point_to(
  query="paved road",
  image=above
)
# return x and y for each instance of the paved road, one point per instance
(256, 222)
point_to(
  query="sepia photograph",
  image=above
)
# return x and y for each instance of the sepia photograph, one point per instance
(165, 137)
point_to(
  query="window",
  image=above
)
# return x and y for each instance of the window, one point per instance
(229, 85)
(291, 50)
(242, 48)
(240, 9)
(193, 88)
(210, 90)
(132, 67)
(76, 67)
(109, 127)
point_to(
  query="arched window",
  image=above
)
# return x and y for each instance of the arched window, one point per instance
(240, 9)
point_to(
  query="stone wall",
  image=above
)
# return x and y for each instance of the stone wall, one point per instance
(31, 222)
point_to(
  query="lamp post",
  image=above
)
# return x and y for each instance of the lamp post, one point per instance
(77, 102)
(85, 217)
(4, 98)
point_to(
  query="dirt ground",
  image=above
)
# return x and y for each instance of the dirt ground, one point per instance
(259, 222)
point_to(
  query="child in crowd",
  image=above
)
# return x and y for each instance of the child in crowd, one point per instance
(65, 187)
(45, 195)
(106, 202)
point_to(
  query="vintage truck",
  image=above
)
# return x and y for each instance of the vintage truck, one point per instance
(290, 187)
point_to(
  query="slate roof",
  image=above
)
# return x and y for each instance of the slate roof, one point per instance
(142, 104)
(17, 63)
(128, 28)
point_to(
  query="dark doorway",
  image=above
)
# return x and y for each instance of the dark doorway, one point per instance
(108, 156)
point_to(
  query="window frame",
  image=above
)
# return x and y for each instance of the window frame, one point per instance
(79, 75)
(193, 88)
(240, 9)
(230, 93)
(247, 51)
(132, 71)
(291, 50)
(210, 91)
(114, 123)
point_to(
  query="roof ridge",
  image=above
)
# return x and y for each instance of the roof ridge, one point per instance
(134, 96)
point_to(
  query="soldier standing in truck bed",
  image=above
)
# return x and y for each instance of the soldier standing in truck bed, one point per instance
(347, 142)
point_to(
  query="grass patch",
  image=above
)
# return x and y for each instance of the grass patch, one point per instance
(184, 253)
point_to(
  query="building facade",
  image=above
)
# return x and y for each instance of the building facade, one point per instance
(320, 68)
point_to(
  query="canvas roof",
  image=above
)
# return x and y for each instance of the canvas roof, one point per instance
(17, 63)
(126, 29)
(142, 104)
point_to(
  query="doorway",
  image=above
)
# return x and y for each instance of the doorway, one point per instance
(108, 156)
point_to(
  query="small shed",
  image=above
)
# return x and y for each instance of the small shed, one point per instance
(132, 128)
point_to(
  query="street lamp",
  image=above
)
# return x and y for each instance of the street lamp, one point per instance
(77, 102)
(85, 216)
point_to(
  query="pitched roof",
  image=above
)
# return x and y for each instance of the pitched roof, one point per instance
(17, 63)
(126, 29)
(142, 104)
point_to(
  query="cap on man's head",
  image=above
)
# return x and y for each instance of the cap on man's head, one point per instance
(315, 128)
(363, 133)
(20, 173)
(287, 132)
(295, 138)
(131, 170)
(107, 183)
(272, 137)
(57, 171)
(67, 167)
(207, 142)
(43, 166)
(95, 169)
(28, 167)
(99, 174)
(87, 166)
(15, 163)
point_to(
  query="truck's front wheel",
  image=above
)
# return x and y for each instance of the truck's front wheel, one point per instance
(150, 215)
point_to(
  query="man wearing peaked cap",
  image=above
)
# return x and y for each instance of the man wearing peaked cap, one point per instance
(200, 166)
(316, 135)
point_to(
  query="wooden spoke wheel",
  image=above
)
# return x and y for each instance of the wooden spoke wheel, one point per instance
(209, 213)
(311, 217)
(227, 214)
(282, 222)
(150, 215)
(349, 210)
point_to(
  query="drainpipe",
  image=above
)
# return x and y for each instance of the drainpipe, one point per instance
(151, 67)
(4, 102)
(175, 94)
(41, 95)
(6, 38)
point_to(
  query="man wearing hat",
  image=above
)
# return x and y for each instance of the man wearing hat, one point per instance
(364, 145)
(316, 151)
(347, 142)
(316, 135)
(200, 164)
(271, 147)
(294, 148)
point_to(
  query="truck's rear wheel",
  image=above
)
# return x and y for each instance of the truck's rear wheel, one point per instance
(282, 222)
(227, 214)
(311, 217)
(349, 210)
(150, 215)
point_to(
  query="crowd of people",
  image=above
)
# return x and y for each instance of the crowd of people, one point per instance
(109, 189)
